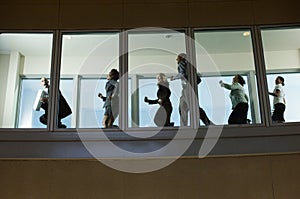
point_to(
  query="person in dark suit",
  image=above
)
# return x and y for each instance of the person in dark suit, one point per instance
(163, 114)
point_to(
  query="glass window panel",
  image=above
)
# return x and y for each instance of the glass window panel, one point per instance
(22, 55)
(151, 53)
(220, 55)
(206, 102)
(88, 58)
(282, 58)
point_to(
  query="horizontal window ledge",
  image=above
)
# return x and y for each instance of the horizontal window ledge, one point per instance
(247, 140)
(146, 134)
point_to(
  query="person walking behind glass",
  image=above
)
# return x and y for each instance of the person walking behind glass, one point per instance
(239, 100)
(111, 100)
(64, 109)
(163, 114)
(184, 102)
(278, 100)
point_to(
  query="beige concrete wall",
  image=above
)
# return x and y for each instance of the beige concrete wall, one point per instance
(257, 177)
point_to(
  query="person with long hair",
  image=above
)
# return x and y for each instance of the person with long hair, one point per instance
(278, 100)
(239, 100)
(163, 114)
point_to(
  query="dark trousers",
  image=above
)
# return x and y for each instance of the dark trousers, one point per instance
(278, 112)
(44, 117)
(239, 114)
(203, 117)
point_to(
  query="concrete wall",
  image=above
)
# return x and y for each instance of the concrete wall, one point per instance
(257, 177)
(93, 14)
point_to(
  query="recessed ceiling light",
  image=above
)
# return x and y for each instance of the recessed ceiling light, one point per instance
(246, 34)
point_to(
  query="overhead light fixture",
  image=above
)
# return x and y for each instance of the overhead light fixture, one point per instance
(246, 34)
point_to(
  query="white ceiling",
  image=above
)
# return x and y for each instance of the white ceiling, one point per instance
(212, 42)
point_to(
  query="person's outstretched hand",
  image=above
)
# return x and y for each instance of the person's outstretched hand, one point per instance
(146, 99)
(221, 83)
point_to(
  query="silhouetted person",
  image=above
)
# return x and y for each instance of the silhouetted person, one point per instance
(163, 114)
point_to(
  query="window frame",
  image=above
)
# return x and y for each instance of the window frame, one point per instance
(265, 70)
(286, 136)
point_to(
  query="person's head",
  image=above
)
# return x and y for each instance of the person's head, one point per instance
(239, 79)
(113, 74)
(181, 57)
(279, 80)
(45, 82)
(161, 78)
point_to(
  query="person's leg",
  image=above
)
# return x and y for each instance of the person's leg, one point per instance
(282, 109)
(278, 113)
(105, 121)
(239, 114)
(60, 124)
(204, 117)
(160, 117)
(43, 119)
(243, 111)
(183, 111)
(168, 107)
(115, 114)
(106, 117)
(234, 116)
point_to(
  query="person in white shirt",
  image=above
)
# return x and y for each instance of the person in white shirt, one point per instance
(278, 100)
(239, 100)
